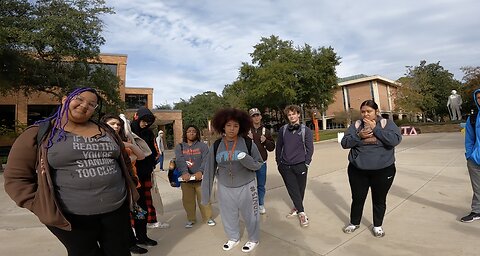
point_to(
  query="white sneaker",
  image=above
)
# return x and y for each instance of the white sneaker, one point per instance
(249, 246)
(230, 244)
(261, 209)
(293, 213)
(302, 217)
(189, 224)
(153, 225)
(350, 228)
(378, 232)
(158, 225)
(211, 222)
(164, 225)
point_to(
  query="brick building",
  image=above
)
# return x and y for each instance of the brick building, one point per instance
(354, 90)
(16, 108)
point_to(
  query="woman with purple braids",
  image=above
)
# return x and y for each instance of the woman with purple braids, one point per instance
(75, 179)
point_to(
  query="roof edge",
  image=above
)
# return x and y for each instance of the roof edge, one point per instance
(369, 78)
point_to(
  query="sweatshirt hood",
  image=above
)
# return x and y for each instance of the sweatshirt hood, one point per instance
(475, 98)
(144, 114)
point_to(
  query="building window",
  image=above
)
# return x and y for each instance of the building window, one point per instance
(7, 116)
(110, 67)
(39, 112)
(136, 100)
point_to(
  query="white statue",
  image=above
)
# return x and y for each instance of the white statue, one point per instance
(454, 105)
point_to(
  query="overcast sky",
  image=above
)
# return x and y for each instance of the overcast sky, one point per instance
(184, 48)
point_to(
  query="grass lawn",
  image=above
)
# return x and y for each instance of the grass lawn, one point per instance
(329, 134)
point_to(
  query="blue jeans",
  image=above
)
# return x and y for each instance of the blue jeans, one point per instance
(160, 160)
(261, 180)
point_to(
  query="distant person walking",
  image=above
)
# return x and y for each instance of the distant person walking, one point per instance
(264, 141)
(472, 154)
(372, 142)
(293, 154)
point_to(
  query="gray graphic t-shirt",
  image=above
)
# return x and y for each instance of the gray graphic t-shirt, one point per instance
(86, 174)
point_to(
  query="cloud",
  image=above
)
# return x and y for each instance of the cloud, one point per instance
(183, 48)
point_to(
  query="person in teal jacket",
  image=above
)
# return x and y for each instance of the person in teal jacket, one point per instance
(472, 154)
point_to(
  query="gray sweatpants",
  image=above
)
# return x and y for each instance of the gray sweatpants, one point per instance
(474, 171)
(238, 201)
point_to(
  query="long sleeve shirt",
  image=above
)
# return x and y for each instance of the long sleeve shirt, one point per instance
(366, 155)
(291, 149)
(230, 172)
(189, 158)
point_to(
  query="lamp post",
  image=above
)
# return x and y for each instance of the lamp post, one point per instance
(315, 122)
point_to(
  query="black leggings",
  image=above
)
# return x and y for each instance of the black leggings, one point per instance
(379, 181)
(96, 235)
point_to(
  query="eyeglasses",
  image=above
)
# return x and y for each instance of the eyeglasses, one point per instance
(81, 100)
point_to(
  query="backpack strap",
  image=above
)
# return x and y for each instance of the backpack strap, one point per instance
(383, 122)
(215, 148)
(181, 150)
(303, 137)
(248, 142)
(473, 121)
(357, 124)
(42, 132)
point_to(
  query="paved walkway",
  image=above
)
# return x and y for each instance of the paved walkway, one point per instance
(430, 192)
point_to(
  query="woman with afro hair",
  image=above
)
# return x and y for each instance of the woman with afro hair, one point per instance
(234, 164)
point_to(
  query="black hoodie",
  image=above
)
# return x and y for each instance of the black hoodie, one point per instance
(145, 167)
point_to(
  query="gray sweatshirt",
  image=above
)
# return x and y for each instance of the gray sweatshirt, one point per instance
(189, 159)
(230, 173)
(372, 155)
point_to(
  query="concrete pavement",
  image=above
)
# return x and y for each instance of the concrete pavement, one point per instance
(430, 193)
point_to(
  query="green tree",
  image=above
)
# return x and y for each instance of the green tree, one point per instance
(200, 108)
(426, 88)
(471, 83)
(234, 94)
(281, 74)
(53, 46)
(409, 98)
(164, 106)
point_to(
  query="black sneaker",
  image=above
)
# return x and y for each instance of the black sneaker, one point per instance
(138, 250)
(471, 217)
(147, 241)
